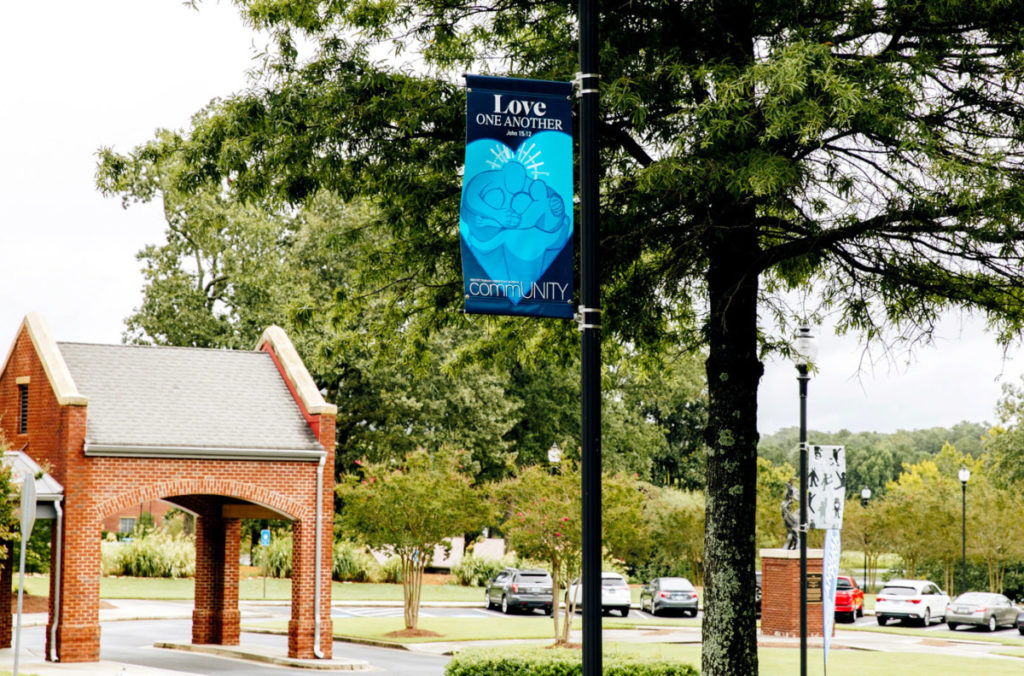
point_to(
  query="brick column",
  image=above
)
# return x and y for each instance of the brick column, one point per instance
(6, 577)
(78, 631)
(216, 618)
(780, 593)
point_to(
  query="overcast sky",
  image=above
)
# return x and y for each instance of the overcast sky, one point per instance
(80, 75)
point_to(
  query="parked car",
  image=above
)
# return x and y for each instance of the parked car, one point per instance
(669, 593)
(614, 593)
(514, 590)
(849, 598)
(981, 609)
(917, 600)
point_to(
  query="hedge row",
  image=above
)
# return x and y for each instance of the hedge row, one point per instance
(560, 663)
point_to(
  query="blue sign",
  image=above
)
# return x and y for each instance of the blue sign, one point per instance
(265, 537)
(516, 215)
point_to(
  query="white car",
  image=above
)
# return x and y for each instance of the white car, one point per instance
(917, 600)
(614, 593)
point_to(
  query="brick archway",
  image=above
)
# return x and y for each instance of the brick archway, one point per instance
(225, 434)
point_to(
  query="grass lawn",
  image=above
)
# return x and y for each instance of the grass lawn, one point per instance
(252, 589)
(841, 662)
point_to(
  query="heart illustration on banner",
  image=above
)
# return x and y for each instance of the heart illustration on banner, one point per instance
(515, 225)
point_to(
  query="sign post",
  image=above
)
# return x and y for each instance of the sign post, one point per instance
(28, 522)
(265, 542)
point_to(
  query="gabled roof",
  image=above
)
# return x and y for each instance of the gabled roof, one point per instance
(192, 402)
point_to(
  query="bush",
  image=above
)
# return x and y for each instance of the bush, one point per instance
(392, 570)
(474, 571)
(156, 554)
(560, 663)
(351, 563)
(276, 557)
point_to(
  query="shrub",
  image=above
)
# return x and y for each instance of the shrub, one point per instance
(560, 663)
(351, 563)
(474, 571)
(276, 557)
(156, 554)
(392, 570)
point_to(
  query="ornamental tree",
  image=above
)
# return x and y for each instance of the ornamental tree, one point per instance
(867, 155)
(411, 509)
(542, 511)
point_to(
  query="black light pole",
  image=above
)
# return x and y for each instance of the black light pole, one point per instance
(865, 495)
(590, 325)
(805, 353)
(964, 475)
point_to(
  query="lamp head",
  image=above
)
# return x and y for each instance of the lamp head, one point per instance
(554, 454)
(865, 494)
(964, 474)
(805, 347)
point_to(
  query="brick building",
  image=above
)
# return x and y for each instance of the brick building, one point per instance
(223, 434)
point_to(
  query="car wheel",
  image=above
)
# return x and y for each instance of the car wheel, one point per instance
(881, 620)
(991, 626)
(952, 626)
(693, 613)
(547, 610)
(1020, 629)
(927, 619)
(624, 611)
(860, 611)
(654, 609)
(505, 607)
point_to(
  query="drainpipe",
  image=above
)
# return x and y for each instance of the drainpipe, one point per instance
(319, 549)
(58, 574)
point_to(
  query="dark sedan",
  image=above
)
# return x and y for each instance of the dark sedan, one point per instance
(981, 609)
(669, 593)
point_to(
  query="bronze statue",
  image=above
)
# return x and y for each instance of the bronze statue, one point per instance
(790, 518)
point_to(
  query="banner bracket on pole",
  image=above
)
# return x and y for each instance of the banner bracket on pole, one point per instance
(582, 319)
(585, 88)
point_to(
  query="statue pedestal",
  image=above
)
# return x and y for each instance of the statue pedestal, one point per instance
(780, 592)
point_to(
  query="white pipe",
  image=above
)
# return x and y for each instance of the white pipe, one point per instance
(58, 577)
(319, 549)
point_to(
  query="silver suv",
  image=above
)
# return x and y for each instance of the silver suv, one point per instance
(513, 590)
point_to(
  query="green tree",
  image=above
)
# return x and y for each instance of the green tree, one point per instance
(543, 521)
(411, 509)
(675, 530)
(868, 151)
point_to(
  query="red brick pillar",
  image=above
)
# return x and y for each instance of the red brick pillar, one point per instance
(780, 592)
(6, 576)
(216, 618)
(301, 627)
(78, 617)
(78, 630)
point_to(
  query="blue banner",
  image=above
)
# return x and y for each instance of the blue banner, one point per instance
(829, 582)
(516, 215)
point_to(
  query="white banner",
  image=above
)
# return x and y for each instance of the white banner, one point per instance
(826, 486)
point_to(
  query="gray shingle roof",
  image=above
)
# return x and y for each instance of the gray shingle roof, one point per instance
(186, 401)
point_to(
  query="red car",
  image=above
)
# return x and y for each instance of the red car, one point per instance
(849, 599)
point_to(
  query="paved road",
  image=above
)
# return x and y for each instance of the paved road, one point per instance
(964, 632)
(131, 643)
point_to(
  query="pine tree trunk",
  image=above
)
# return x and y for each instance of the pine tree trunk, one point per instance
(733, 373)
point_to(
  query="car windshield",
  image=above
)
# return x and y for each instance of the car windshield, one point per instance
(898, 591)
(676, 584)
(536, 578)
(844, 584)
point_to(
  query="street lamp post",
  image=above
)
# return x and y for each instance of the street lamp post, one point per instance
(964, 475)
(865, 495)
(806, 351)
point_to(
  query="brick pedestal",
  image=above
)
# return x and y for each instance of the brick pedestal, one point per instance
(780, 592)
